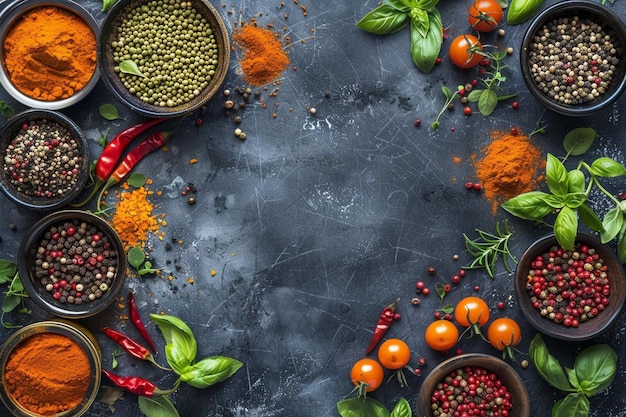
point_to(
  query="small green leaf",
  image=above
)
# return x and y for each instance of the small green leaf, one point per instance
(566, 227)
(109, 112)
(106, 4)
(402, 409)
(612, 223)
(487, 102)
(606, 167)
(474, 95)
(361, 407)
(102, 140)
(556, 176)
(137, 179)
(383, 20)
(547, 366)
(440, 289)
(210, 371)
(6, 110)
(574, 404)
(9, 302)
(590, 218)
(575, 181)
(399, 5)
(158, 406)
(128, 66)
(595, 368)
(425, 49)
(578, 141)
(136, 257)
(575, 200)
(521, 10)
(532, 205)
(447, 93)
(447, 309)
(181, 346)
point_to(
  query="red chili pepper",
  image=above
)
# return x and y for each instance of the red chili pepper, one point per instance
(384, 321)
(131, 347)
(136, 385)
(112, 152)
(135, 318)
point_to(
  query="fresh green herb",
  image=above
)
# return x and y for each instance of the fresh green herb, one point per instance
(488, 247)
(109, 112)
(137, 179)
(369, 407)
(425, 24)
(15, 295)
(158, 406)
(594, 370)
(6, 110)
(440, 289)
(522, 10)
(488, 97)
(447, 309)
(106, 4)
(128, 66)
(116, 354)
(578, 141)
(137, 259)
(450, 96)
(102, 140)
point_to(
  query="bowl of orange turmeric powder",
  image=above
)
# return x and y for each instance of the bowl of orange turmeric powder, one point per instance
(48, 53)
(50, 368)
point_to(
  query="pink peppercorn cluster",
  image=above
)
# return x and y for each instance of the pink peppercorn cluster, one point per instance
(569, 287)
(471, 391)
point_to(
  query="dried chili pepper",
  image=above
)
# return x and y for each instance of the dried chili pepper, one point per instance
(384, 321)
(112, 153)
(136, 385)
(131, 347)
(135, 318)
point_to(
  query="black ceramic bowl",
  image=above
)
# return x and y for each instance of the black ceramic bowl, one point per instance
(61, 253)
(116, 16)
(588, 328)
(30, 196)
(510, 379)
(611, 24)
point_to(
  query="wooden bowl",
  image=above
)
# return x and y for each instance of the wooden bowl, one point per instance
(508, 376)
(586, 329)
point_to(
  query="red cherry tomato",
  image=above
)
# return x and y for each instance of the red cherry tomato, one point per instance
(368, 373)
(394, 354)
(465, 51)
(485, 15)
(441, 335)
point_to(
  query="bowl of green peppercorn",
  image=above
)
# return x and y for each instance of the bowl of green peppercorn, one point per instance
(162, 58)
(573, 57)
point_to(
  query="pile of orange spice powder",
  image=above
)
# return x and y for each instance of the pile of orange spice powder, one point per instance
(264, 58)
(510, 165)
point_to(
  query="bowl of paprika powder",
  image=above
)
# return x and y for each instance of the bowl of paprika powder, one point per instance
(51, 367)
(48, 53)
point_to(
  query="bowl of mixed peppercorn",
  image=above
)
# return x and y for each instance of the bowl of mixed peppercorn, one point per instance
(570, 294)
(45, 160)
(163, 58)
(473, 384)
(72, 264)
(572, 57)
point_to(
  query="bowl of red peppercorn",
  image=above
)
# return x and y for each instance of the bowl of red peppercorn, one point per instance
(45, 160)
(478, 382)
(572, 294)
(572, 57)
(72, 264)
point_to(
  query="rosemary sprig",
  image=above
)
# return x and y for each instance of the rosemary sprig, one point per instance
(488, 247)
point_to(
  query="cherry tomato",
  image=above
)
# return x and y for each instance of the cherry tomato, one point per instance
(504, 332)
(485, 15)
(394, 354)
(471, 311)
(441, 335)
(367, 372)
(465, 51)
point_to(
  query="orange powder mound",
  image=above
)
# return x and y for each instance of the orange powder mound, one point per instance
(134, 219)
(263, 57)
(511, 165)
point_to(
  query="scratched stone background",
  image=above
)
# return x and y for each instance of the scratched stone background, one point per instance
(315, 222)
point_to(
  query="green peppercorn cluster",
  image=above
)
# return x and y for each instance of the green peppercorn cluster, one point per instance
(573, 60)
(174, 47)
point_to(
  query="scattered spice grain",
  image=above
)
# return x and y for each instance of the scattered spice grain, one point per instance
(134, 217)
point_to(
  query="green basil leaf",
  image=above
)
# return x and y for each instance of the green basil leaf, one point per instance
(503, 3)
(487, 102)
(573, 405)
(606, 167)
(529, 206)
(383, 20)
(181, 346)
(159, 406)
(136, 256)
(547, 366)
(128, 66)
(425, 50)
(566, 227)
(402, 409)
(575, 200)
(427, 4)
(399, 5)
(420, 21)
(621, 245)
(575, 181)
(595, 368)
(362, 407)
(109, 112)
(10, 302)
(447, 93)
(8, 270)
(210, 371)
(590, 218)
(16, 285)
(506, 96)
(106, 4)
(137, 179)
(522, 10)
(571, 376)
(578, 141)
(612, 223)
(556, 176)
(177, 357)
(474, 95)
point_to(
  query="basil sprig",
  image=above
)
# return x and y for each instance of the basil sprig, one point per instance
(594, 370)
(425, 23)
(569, 196)
(522, 10)
(369, 407)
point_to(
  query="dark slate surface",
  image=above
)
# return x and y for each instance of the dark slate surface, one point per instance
(315, 222)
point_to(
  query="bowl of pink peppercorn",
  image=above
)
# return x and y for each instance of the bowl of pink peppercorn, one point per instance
(570, 294)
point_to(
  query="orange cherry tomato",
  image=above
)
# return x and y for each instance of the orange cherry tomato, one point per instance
(394, 354)
(441, 335)
(485, 15)
(368, 373)
(504, 332)
(471, 311)
(465, 51)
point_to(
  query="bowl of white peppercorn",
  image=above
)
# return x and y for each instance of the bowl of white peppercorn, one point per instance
(45, 160)
(177, 62)
(72, 264)
(572, 57)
